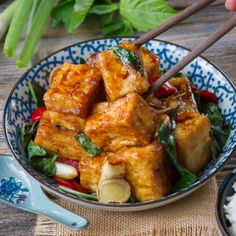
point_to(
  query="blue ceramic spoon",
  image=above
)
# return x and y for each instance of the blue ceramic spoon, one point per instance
(21, 191)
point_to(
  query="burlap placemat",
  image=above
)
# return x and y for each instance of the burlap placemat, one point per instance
(192, 215)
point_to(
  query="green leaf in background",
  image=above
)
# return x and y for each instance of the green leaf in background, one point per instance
(71, 13)
(35, 150)
(102, 9)
(81, 8)
(46, 165)
(62, 13)
(167, 139)
(146, 15)
(117, 28)
(91, 148)
(128, 58)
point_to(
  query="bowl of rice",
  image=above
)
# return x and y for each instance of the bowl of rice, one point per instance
(226, 205)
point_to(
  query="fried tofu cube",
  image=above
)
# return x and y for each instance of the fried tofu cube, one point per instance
(188, 107)
(72, 92)
(90, 171)
(147, 170)
(193, 142)
(127, 122)
(150, 61)
(119, 79)
(58, 141)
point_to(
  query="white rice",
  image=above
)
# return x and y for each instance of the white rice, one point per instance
(230, 210)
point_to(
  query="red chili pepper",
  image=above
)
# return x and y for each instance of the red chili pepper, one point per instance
(38, 113)
(206, 95)
(165, 90)
(72, 184)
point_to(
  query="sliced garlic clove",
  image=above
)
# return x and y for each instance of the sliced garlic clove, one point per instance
(112, 170)
(113, 191)
(65, 171)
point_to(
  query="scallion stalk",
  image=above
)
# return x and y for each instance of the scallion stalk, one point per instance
(38, 25)
(6, 16)
(17, 24)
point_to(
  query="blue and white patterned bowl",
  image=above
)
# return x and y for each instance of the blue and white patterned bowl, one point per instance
(202, 73)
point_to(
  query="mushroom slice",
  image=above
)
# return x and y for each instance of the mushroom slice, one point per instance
(113, 191)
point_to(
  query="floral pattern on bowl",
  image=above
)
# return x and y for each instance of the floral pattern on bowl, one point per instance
(203, 74)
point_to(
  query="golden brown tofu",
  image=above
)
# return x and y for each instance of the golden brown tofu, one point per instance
(58, 141)
(193, 142)
(150, 61)
(118, 78)
(72, 92)
(147, 170)
(68, 121)
(188, 107)
(90, 171)
(127, 122)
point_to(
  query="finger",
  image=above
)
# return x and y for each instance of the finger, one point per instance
(231, 5)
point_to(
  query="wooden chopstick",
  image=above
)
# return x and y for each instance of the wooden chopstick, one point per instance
(198, 5)
(226, 27)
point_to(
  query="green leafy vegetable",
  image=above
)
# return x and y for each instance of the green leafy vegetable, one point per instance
(35, 32)
(71, 13)
(46, 165)
(37, 92)
(128, 58)
(82, 60)
(102, 9)
(28, 131)
(118, 28)
(78, 194)
(91, 148)
(146, 15)
(6, 16)
(16, 26)
(167, 139)
(35, 150)
(219, 130)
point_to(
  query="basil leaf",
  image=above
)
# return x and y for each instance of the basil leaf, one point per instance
(146, 15)
(128, 58)
(106, 19)
(39, 92)
(81, 8)
(213, 113)
(167, 139)
(82, 60)
(35, 150)
(102, 9)
(71, 13)
(46, 165)
(78, 194)
(91, 148)
(27, 132)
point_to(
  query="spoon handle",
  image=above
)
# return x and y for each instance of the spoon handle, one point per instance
(198, 5)
(226, 27)
(60, 214)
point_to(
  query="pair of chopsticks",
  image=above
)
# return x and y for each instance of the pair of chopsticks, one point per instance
(198, 5)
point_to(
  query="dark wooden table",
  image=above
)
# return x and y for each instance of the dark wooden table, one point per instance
(192, 31)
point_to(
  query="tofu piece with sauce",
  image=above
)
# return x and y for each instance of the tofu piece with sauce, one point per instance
(71, 95)
(120, 79)
(58, 140)
(147, 170)
(193, 142)
(127, 122)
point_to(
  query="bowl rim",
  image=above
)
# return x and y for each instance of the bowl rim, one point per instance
(225, 184)
(160, 201)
